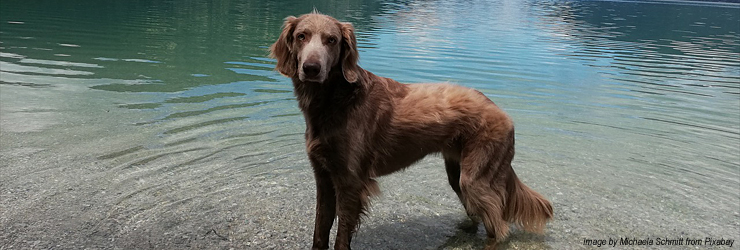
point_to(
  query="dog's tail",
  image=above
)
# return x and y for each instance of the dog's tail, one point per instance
(527, 208)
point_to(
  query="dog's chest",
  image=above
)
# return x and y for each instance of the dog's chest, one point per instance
(329, 152)
(327, 136)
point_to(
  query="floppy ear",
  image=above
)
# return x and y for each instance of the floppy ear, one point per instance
(349, 47)
(282, 49)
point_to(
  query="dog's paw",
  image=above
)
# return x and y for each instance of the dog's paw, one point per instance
(490, 244)
(469, 226)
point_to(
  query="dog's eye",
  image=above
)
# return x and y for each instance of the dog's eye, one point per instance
(332, 40)
(301, 37)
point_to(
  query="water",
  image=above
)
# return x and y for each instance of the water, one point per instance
(163, 125)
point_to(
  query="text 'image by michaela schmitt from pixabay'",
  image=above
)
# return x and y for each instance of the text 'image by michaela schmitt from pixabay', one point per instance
(659, 241)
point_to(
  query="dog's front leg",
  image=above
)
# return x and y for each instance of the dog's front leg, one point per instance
(349, 207)
(325, 208)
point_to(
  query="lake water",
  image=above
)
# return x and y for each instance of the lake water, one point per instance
(162, 125)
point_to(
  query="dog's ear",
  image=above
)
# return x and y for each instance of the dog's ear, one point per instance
(282, 49)
(349, 47)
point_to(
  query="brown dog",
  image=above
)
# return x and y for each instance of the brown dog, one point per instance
(360, 126)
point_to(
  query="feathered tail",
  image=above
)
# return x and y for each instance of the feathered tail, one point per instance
(527, 208)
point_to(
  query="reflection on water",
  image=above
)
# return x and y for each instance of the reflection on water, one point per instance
(627, 113)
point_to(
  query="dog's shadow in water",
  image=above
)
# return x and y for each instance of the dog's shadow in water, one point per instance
(444, 232)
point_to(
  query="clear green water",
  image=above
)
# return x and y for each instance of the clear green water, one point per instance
(147, 125)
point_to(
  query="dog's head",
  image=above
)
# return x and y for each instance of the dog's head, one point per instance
(311, 45)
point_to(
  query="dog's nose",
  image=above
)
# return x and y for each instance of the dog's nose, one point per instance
(311, 69)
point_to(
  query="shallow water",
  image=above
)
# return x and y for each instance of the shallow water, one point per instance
(163, 125)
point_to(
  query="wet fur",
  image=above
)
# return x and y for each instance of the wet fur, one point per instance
(360, 126)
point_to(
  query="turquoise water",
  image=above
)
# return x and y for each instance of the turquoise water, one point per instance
(147, 125)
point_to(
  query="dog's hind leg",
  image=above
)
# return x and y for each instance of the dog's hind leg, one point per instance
(453, 175)
(451, 156)
(488, 204)
(483, 187)
(452, 165)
